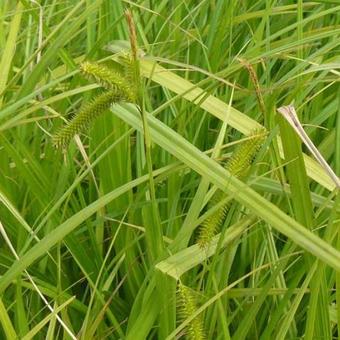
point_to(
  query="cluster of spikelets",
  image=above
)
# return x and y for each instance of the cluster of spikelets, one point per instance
(109, 80)
(118, 89)
(238, 165)
(186, 307)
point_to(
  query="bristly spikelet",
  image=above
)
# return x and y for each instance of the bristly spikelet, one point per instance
(129, 71)
(187, 306)
(109, 79)
(212, 223)
(119, 90)
(243, 156)
(85, 117)
(238, 166)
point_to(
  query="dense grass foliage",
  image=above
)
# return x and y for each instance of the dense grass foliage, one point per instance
(100, 239)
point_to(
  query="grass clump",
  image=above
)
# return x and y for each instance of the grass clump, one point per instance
(94, 248)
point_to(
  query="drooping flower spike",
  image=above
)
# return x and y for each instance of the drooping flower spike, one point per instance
(119, 89)
(238, 166)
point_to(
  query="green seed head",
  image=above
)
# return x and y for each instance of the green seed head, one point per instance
(187, 306)
(83, 119)
(109, 79)
(238, 166)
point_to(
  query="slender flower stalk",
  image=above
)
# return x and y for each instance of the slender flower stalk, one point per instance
(156, 239)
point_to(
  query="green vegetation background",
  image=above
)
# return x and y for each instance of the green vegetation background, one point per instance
(98, 241)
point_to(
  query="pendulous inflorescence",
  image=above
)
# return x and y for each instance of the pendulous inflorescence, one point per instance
(187, 306)
(238, 165)
(118, 89)
(109, 80)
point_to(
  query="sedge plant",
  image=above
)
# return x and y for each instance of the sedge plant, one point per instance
(113, 240)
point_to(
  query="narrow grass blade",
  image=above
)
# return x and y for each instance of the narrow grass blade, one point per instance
(198, 161)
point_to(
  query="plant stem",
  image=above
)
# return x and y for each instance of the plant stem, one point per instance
(154, 236)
